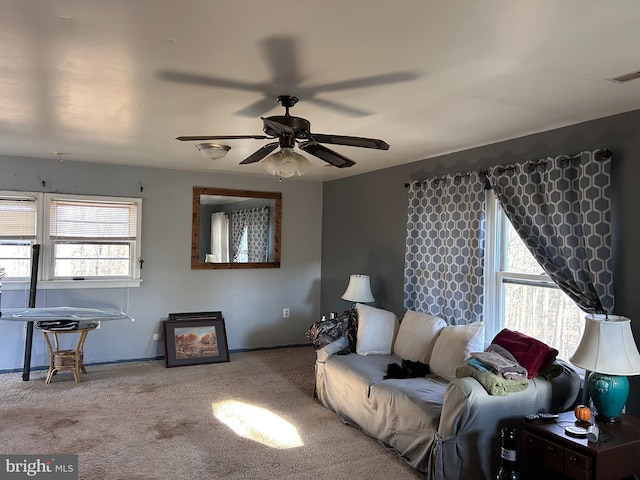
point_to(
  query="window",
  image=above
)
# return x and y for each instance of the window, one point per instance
(519, 295)
(81, 237)
(18, 224)
(243, 249)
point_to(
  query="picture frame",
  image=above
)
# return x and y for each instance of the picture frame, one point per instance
(194, 340)
(194, 315)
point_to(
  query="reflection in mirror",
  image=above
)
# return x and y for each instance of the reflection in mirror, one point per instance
(235, 229)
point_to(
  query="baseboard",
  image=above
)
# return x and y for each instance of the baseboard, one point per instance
(161, 357)
(256, 349)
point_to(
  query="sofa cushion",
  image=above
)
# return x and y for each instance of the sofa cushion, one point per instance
(417, 336)
(376, 330)
(352, 375)
(453, 345)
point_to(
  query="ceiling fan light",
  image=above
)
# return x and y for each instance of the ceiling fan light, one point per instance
(302, 164)
(286, 163)
(271, 164)
(213, 151)
(287, 167)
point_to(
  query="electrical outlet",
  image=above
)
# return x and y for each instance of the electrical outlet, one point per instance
(156, 336)
(285, 313)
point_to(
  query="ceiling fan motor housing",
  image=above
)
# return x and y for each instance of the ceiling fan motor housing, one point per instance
(300, 126)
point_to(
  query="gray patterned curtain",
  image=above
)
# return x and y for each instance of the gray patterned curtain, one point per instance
(238, 225)
(258, 234)
(561, 208)
(255, 221)
(444, 260)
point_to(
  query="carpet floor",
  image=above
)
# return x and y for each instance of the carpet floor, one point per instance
(251, 418)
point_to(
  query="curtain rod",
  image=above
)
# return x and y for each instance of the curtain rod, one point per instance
(600, 155)
(454, 175)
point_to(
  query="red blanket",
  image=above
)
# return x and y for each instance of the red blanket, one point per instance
(529, 352)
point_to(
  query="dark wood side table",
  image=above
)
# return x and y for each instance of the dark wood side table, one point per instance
(546, 448)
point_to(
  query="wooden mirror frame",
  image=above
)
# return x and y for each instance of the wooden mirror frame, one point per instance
(196, 264)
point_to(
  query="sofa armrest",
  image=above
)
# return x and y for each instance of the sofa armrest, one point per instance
(467, 406)
(334, 347)
(329, 336)
(471, 418)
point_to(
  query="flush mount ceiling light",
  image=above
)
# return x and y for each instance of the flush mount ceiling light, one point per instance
(286, 163)
(213, 151)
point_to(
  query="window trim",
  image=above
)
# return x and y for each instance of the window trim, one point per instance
(495, 274)
(46, 279)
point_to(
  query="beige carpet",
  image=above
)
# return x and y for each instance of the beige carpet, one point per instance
(141, 421)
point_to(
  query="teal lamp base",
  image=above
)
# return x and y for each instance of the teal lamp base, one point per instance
(609, 394)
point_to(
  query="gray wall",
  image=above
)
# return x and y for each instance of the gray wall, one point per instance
(364, 217)
(250, 300)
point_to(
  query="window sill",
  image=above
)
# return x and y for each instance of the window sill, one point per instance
(70, 284)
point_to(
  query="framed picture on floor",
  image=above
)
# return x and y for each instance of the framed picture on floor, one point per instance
(194, 315)
(194, 341)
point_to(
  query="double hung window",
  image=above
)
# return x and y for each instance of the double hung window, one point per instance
(88, 238)
(18, 232)
(520, 295)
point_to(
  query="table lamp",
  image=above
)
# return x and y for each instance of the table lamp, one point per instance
(607, 349)
(359, 289)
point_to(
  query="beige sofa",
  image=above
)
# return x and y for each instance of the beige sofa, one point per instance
(444, 426)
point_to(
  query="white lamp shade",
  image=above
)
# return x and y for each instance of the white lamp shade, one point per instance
(359, 289)
(607, 346)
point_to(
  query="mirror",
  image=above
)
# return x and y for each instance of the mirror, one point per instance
(235, 229)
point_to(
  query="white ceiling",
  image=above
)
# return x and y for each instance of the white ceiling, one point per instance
(89, 78)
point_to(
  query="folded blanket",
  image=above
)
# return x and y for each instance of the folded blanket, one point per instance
(492, 383)
(328, 331)
(475, 363)
(529, 352)
(503, 365)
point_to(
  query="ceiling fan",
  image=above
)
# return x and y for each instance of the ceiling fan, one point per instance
(284, 63)
(289, 131)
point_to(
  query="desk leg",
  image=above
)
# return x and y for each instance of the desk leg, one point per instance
(28, 342)
(80, 357)
(52, 370)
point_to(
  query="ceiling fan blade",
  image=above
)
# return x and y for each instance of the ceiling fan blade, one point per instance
(371, 81)
(260, 153)
(209, 81)
(222, 137)
(344, 109)
(350, 141)
(278, 127)
(257, 108)
(329, 156)
(282, 58)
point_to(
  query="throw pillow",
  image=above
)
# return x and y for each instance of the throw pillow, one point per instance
(325, 332)
(376, 330)
(453, 345)
(417, 336)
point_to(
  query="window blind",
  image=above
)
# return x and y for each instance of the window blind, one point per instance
(82, 219)
(18, 217)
